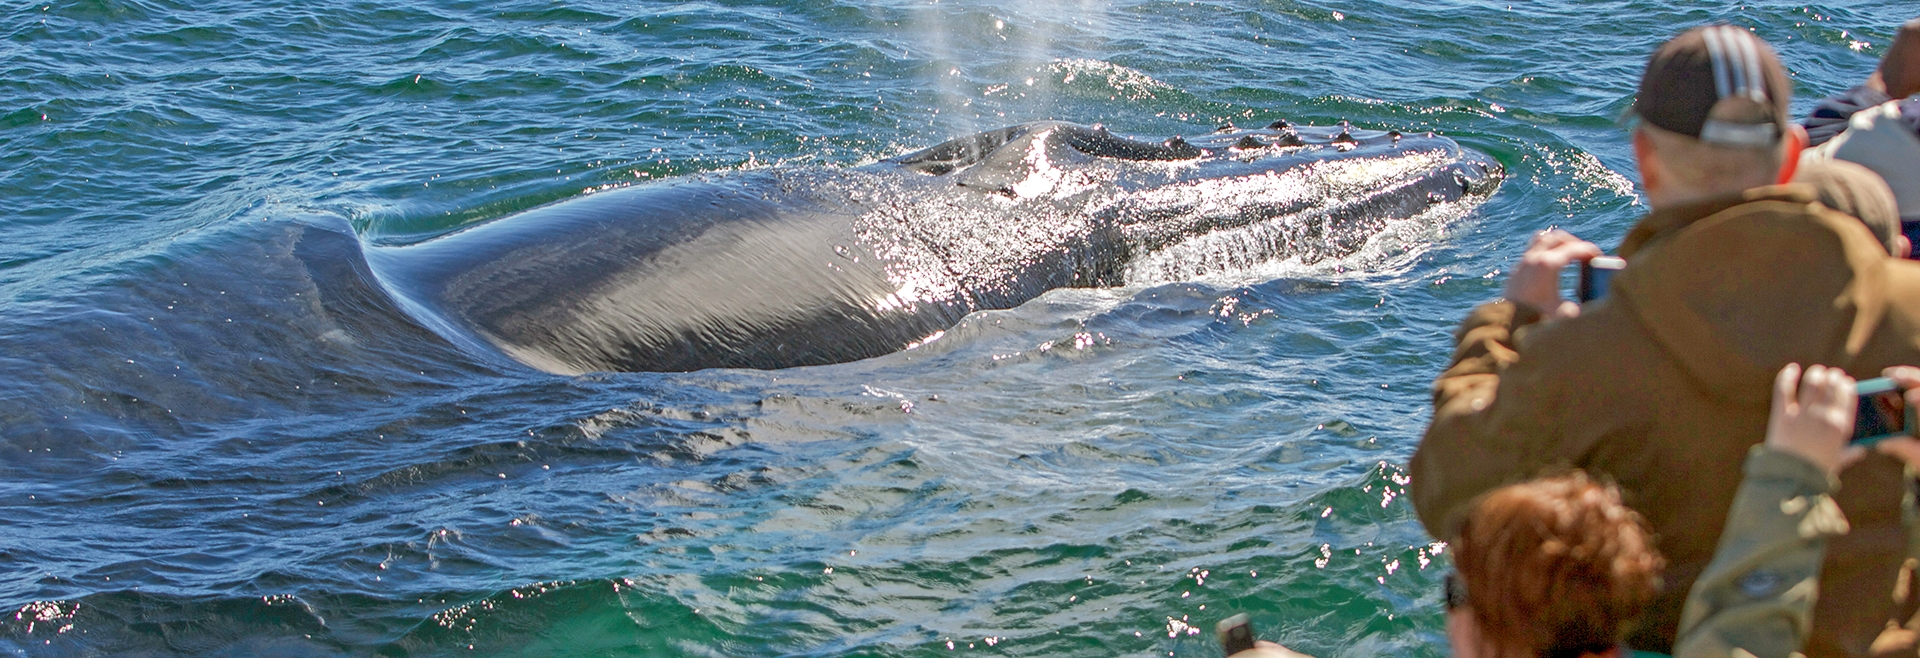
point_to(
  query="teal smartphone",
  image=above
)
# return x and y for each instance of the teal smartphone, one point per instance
(1883, 412)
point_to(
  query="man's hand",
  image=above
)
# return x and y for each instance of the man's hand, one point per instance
(1535, 282)
(1899, 72)
(1813, 414)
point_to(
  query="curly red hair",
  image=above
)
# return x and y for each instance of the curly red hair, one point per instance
(1556, 567)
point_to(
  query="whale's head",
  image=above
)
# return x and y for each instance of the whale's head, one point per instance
(1189, 206)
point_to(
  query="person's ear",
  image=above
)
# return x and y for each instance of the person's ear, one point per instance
(1795, 137)
(1902, 247)
(1899, 70)
(1652, 177)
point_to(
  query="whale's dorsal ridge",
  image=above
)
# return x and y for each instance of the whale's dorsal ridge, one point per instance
(957, 154)
(1105, 144)
(960, 153)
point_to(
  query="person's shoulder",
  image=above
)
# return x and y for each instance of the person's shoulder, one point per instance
(1902, 113)
(1903, 284)
(1791, 212)
(1896, 336)
(1775, 220)
(1602, 335)
(1891, 129)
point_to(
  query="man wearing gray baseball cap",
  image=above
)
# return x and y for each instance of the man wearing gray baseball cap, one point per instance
(1663, 384)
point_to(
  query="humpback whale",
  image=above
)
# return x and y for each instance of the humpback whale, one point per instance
(791, 266)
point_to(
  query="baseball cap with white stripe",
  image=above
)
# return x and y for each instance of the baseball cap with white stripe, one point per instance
(1720, 84)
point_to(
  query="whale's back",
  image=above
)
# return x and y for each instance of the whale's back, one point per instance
(665, 277)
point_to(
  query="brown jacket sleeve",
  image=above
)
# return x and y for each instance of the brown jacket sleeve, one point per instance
(1490, 409)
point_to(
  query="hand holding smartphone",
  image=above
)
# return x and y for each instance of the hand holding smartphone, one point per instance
(1815, 411)
(1536, 281)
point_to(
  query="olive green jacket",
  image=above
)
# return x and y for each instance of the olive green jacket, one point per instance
(1756, 596)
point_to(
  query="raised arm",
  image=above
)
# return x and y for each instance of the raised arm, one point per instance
(1486, 404)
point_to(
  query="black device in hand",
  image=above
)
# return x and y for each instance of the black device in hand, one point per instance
(1595, 275)
(1883, 412)
(1236, 633)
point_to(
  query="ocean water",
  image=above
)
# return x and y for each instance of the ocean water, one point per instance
(211, 443)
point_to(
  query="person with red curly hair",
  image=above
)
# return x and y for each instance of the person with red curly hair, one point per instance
(1555, 566)
(1561, 567)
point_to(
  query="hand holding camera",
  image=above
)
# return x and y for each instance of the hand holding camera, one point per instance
(1813, 414)
(1821, 415)
(1535, 280)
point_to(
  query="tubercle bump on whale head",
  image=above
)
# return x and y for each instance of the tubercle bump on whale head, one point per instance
(1178, 147)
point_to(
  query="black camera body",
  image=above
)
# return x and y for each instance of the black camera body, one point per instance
(1596, 275)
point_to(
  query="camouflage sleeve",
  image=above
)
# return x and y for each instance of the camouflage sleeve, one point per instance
(1756, 596)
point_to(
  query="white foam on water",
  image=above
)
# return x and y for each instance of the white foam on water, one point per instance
(1393, 250)
(1129, 82)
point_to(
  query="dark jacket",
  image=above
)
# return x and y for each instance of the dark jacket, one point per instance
(1664, 385)
(1830, 115)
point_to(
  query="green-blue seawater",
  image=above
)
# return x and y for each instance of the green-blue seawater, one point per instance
(201, 454)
